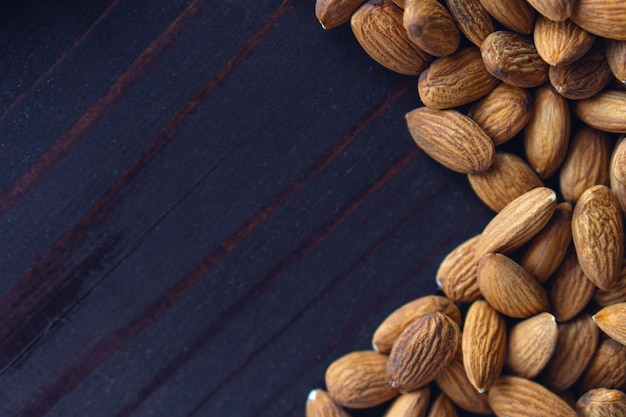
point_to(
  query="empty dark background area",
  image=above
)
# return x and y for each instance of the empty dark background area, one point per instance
(202, 205)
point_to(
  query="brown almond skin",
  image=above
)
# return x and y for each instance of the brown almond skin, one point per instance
(512, 58)
(598, 235)
(577, 343)
(401, 318)
(377, 26)
(519, 397)
(570, 290)
(556, 10)
(509, 288)
(357, 380)
(516, 15)
(332, 13)
(452, 380)
(456, 275)
(605, 111)
(319, 404)
(452, 139)
(561, 43)
(617, 172)
(531, 344)
(503, 112)
(412, 404)
(611, 321)
(544, 252)
(472, 19)
(616, 57)
(602, 402)
(422, 350)
(546, 135)
(601, 17)
(484, 345)
(615, 294)
(431, 27)
(455, 80)
(606, 368)
(442, 407)
(587, 163)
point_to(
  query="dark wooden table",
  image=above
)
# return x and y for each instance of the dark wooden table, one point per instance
(203, 204)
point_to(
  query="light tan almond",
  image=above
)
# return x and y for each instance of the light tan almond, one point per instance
(442, 407)
(456, 275)
(503, 112)
(606, 369)
(455, 80)
(431, 27)
(452, 139)
(598, 235)
(412, 404)
(332, 13)
(587, 163)
(519, 397)
(422, 350)
(319, 404)
(611, 321)
(605, 111)
(617, 172)
(546, 135)
(357, 380)
(377, 26)
(512, 58)
(615, 294)
(509, 288)
(516, 15)
(484, 345)
(544, 252)
(601, 17)
(570, 289)
(561, 43)
(472, 19)
(616, 56)
(518, 221)
(531, 344)
(557, 10)
(452, 380)
(402, 317)
(602, 402)
(577, 343)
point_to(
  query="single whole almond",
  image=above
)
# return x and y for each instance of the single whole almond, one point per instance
(561, 43)
(606, 368)
(452, 380)
(598, 235)
(422, 350)
(456, 275)
(452, 139)
(605, 111)
(412, 404)
(601, 17)
(602, 402)
(616, 57)
(570, 289)
(319, 404)
(472, 19)
(431, 27)
(516, 15)
(617, 172)
(557, 10)
(615, 294)
(332, 13)
(531, 343)
(611, 321)
(442, 407)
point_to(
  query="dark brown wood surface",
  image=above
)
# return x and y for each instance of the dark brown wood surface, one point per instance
(202, 205)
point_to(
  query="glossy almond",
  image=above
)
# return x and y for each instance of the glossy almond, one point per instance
(531, 343)
(402, 317)
(452, 380)
(472, 19)
(421, 351)
(561, 43)
(516, 15)
(601, 17)
(606, 368)
(617, 172)
(431, 27)
(598, 234)
(357, 380)
(557, 10)
(319, 404)
(377, 26)
(605, 111)
(455, 80)
(611, 321)
(332, 13)
(602, 402)
(456, 275)
(442, 407)
(412, 404)
(452, 139)
(615, 294)
(616, 57)
(570, 289)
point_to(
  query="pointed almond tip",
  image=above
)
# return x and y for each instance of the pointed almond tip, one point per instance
(438, 283)
(374, 347)
(321, 23)
(553, 318)
(552, 196)
(311, 396)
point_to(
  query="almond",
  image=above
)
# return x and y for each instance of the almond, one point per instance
(452, 380)
(561, 43)
(602, 402)
(611, 321)
(456, 275)
(472, 19)
(617, 172)
(557, 10)
(531, 345)
(442, 407)
(319, 404)
(605, 111)
(616, 57)
(413, 404)
(601, 17)
(431, 27)
(570, 289)
(606, 368)
(615, 294)
(516, 15)
(332, 13)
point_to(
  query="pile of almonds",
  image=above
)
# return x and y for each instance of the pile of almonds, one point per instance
(543, 287)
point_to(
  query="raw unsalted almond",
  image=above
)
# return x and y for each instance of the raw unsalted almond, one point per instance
(557, 10)
(602, 402)
(472, 18)
(455, 80)
(519, 397)
(615, 294)
(431, 27)
(503, 112)
(545, 251)
(546, 135)
(508, 288)
(561, 43)
(516, 15)
(616, 56)
(332, 13)
(484, 345)
(617, 174)
(531, 343)
(402, 317)
(442, 407)
(518, 222)
(587, 163)
(452, 380)
(570, 290)
(605, 111)
(456, 275)
(357, 380)
(319, 404)
(412, 404)
(578, 339)
(606, 368)
(377, 26)
(611, 321)
(452, 139)
(512, 58)
(422, 350)
(601, 17)
(598, 235)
